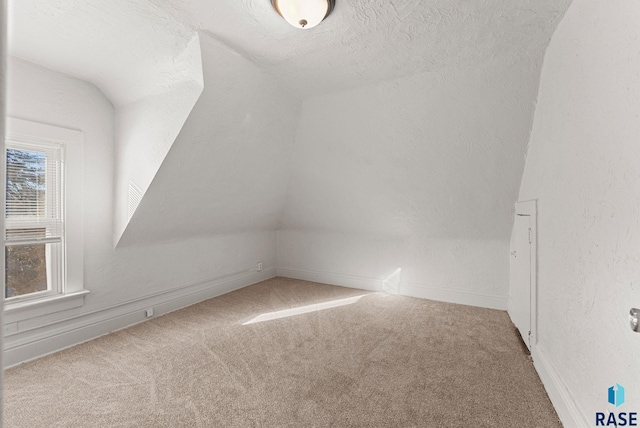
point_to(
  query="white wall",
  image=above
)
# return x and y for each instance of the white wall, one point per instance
(419, 173)
(147, 128)
(174, 274)
(582, 166)
(228, 170)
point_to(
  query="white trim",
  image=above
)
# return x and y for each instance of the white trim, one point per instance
(340, 279)
(566, 407)
(26, 309)
(451, 295)
(28, 131)
(31, 344)
(530, 208)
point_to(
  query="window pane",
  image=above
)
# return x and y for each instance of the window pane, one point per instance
(26, 183)
(25, 269)
(34, 255)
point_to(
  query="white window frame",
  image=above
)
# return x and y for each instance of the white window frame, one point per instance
(71, 292)
(54, 247)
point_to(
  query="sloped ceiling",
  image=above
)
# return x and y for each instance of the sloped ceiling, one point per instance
(362, 41)
(230, 166)
(125, 48)
(434, 155)
(366, 41)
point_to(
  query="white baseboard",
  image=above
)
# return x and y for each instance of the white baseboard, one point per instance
(462, 297)
(351, 281)
(566, 407)
(81, 328)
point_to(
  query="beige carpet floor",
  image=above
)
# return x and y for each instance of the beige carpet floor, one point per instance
(376, 361)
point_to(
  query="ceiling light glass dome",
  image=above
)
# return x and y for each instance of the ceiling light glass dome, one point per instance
(303, 14)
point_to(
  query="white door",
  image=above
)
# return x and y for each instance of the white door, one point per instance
(519, 304)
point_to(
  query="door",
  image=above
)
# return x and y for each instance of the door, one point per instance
(520, 301)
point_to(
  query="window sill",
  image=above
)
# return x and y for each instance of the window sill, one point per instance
(20, 311)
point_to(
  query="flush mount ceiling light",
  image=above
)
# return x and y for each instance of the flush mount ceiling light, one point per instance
(304, 13)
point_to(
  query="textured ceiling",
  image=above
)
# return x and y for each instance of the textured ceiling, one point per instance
(366, 41)
(119, 44)
(129, 49)
(236, 150)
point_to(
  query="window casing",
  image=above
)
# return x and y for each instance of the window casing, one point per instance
(34, 223)
(49, 218)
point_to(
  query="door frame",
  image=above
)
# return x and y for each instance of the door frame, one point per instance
(530, 208)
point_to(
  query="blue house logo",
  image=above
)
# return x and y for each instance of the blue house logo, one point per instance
(616, 395)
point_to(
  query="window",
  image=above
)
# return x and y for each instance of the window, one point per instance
(34, 235)
(44, 222)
